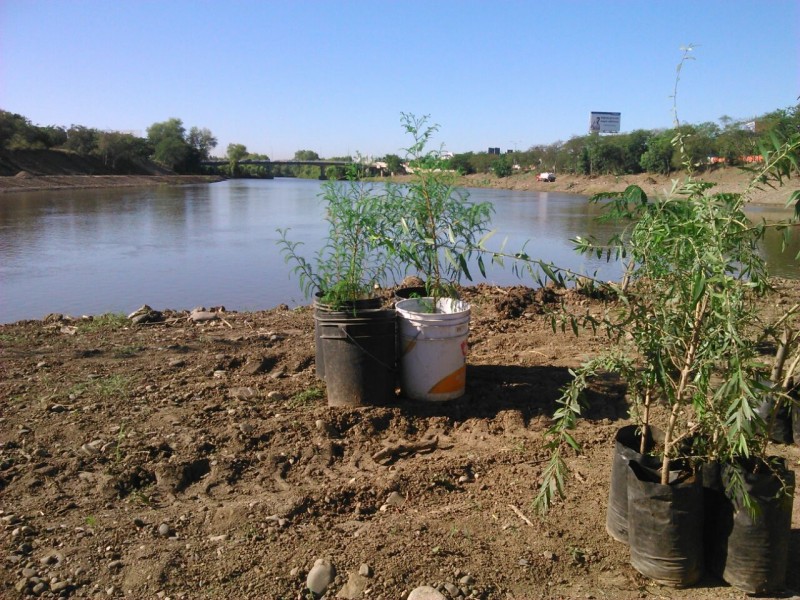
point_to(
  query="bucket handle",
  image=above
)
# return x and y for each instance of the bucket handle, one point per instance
(343, 329)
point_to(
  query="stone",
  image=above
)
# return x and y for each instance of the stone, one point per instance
(164, 530)
(354, 588)
(258, 365)
(395, 499)
(243, 393)
(425, 592)
(365, 570)
(320, 576)
(466, 580)
(452, 589)
(202, 316)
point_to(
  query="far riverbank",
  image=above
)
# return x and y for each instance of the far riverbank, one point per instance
(726, 179)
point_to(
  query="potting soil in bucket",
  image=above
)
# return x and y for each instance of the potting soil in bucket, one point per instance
(360, 356)
(433, 346)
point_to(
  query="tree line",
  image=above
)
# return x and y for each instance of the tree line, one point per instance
(172, 145)
(642, 151)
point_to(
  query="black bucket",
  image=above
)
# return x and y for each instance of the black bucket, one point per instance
(349, 308)
(626, 449)
(665, 527)
(359, 351)
(751, 552)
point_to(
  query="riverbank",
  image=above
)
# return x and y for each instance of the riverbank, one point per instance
(725, 179)
(25, 182)
(185, 459)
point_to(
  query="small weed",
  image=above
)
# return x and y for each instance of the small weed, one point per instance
(91, 521)
(107, 321)
(306, 397)
(578, 555)
(139, 497)
(126, 351)
(114, 385)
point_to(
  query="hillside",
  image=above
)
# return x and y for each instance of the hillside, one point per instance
(59, 162)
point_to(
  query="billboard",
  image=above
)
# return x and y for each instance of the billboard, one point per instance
(604, 122)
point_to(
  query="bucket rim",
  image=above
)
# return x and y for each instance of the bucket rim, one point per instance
(404, 308)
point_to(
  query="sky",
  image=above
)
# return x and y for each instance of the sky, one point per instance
(334, 76)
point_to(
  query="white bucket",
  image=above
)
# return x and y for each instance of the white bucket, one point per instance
(433, 348)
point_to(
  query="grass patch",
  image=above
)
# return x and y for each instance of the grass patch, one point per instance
(306, 397)
(104, 322)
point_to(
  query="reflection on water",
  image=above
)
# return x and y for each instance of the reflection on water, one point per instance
(93, 251)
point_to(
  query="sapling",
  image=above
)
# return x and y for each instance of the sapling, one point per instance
(438, 229)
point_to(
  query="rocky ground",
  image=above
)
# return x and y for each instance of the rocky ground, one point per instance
(196, 457)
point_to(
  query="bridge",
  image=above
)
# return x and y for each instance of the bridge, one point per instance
(271, 164)
(300, 163)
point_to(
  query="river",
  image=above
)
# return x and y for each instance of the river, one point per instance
(93, 251)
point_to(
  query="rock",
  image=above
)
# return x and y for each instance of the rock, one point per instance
(365, 570)
(320, 576)
(145, 314)
(466, 580)
(548, 555)
(276, 396)
(258, 365)
(57, 586)
(354, 588)
(164, 530)
(395, 500)
(244, 393)
(452, 589)
(114, 565)
(176, 363)
(39, 588)
(202, 316)
(425, 592)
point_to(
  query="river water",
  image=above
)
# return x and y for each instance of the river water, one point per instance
(94, 251)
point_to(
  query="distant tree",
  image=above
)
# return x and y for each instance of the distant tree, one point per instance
(306, 155)
(113, 146)
(462, 163)
(168, 139)
(502, 167)
(52, 136)
(657, 158)
(393, 163)
(334, 172)
(81, 140)
(236, 152)
(203, 142)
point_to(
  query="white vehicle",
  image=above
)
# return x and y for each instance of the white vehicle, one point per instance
(546, 177)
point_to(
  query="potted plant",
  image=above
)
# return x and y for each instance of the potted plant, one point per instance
(690, 356)
(437, 232)
(355, 337)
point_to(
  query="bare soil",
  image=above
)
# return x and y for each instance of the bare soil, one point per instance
(185, 459)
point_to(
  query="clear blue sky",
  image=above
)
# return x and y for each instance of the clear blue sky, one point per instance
(334, 76)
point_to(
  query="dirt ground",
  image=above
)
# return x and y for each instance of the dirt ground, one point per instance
(184, 459)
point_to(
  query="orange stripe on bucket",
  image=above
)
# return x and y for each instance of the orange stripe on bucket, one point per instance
(452, 383)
